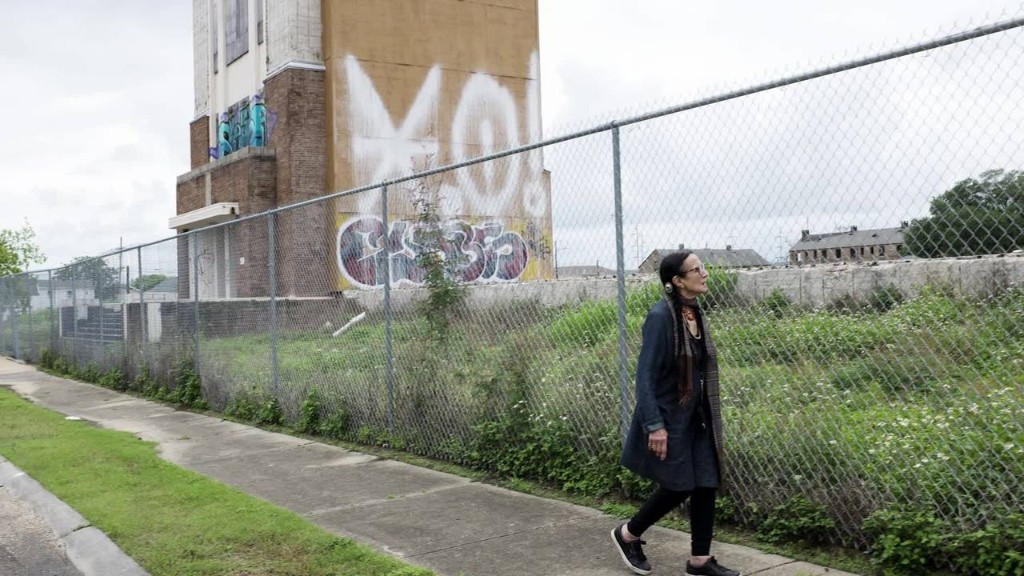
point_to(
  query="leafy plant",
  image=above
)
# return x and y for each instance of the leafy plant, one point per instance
(885, 298)
(113, 379)
(722, 291)
(998, 548)
(777, 303)
(797, 519)
(188, 389)
(309, 413)
(904, 541)
(439, 261)
(255, 406)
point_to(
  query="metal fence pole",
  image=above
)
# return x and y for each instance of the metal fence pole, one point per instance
(53, 324)
(31, 330)
(14, 323)
(143, 335)
(194, 237)
(99, 298)
(3, 315)
(74, 317)
(272, 273)
(620, 268)
(388, 315)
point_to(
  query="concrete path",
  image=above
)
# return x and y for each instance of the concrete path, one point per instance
(447, 523)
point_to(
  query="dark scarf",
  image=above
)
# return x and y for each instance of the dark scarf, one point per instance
(685, 357)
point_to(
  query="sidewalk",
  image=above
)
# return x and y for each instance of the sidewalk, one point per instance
(447, 523)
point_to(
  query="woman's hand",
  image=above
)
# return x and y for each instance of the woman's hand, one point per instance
(657, 443)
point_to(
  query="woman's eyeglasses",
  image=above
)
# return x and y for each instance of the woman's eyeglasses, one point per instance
(701, 267)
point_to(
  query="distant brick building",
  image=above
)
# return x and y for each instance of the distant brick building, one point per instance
(852, 245)
(727, 257)
(295, 99)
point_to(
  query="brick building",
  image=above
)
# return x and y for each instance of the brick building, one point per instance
(295, 99)
(727, 257)
(852, 245)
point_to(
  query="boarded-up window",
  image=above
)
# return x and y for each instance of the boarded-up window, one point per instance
(259, 21)
(214, 38)
(236, 29)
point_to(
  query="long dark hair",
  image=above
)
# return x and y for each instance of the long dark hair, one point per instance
(671, 266)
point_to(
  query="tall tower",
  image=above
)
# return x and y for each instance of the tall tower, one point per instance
(296, 99)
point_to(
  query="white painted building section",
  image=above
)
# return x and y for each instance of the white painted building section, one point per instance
(274, 33)
(294, 34)
(215, 274)
(202, 55)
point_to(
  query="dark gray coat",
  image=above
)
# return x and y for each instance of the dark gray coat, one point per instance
(694, 456)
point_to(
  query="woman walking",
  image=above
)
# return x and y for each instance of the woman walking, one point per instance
(675, 438)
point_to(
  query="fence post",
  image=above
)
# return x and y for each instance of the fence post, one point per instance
(54, 336)
(99, 298)
(3, 315)
(143, 335)
(389, 360)
(272, 273)
(31, 325)
(14, 323)
(74, 316)
(620, 274)
(194, 237)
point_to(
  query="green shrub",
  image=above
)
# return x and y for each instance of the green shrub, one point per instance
(885, 298)
(595, 321)
(335, 425)
(776, 304)
(904, 541)
(255, 406)
(588, 324)
(797, 519)
(48, 359)
(113, 379)
(721, 289)
(998, 548)
(90, 373)
(188, 389)
(309, 413)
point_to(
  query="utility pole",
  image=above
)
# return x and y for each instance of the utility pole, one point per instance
(638, 242)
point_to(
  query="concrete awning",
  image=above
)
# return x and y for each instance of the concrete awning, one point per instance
(205, 216)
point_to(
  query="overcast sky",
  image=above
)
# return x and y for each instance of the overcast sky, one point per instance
(98, 96)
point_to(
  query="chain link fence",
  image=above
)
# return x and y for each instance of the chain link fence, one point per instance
(863, 224)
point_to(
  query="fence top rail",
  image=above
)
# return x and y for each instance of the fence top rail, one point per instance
(941, 42)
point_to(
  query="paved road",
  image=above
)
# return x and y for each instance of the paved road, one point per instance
(28, 546)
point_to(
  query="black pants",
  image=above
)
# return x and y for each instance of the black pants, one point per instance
(702, 515)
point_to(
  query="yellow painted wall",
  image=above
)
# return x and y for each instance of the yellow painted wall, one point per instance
(416, 84)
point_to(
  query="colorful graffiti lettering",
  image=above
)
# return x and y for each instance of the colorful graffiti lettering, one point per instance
(246, 123)
(483, 253)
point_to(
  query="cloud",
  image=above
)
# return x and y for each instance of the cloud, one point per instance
(99, 118)
(97, 131)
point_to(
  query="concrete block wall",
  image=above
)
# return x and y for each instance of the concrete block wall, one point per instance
(808, 286)
(818, 285)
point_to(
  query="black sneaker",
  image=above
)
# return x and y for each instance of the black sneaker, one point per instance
(631, 552)
(710, 568)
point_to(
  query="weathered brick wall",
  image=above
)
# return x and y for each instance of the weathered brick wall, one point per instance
(305, 236)
(191, 195)
(248, 177)
(199, 141)
(240, 317)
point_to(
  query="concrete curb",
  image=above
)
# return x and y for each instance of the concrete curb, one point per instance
(88, 548)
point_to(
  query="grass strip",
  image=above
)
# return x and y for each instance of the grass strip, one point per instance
(170, 520)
